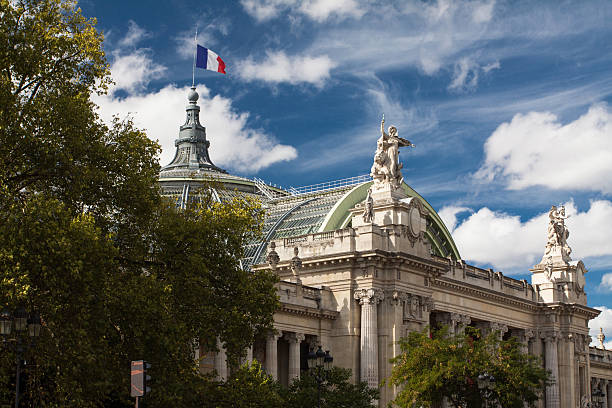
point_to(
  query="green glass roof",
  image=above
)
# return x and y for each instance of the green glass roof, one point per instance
(295, 215)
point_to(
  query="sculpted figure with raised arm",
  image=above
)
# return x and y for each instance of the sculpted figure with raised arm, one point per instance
(386, 169)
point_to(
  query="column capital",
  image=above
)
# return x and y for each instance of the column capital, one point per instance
(460, 318)
(495, 326)
(274, 336)
(529, 334)
(294, 337)
(551, 336)
(369, 296)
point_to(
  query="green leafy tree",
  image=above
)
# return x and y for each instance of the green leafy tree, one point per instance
(336, 392)
(443, 366)
(248, 387)
(116, 272)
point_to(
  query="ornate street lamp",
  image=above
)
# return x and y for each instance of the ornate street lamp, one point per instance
(486, 383)
(20, 322)
(319, 365)
(597, 397)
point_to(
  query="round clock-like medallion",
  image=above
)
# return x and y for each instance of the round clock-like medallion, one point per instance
(415, 221)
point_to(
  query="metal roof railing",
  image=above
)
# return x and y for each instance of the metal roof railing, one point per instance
(330, 185)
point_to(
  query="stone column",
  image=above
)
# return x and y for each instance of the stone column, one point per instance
(369, 299)
(609, 393)
(221, 362)
(272, 355)
(294, 340)
(249, 355)
(552, 391)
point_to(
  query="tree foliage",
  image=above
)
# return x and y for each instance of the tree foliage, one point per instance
(250, 387)
(116, 272)
(336, 392)
(443, 366)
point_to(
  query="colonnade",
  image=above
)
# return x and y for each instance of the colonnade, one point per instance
(271, 355)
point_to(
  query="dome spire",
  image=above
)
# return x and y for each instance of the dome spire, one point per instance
(192, 145)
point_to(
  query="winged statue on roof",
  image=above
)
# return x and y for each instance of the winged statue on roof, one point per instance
(387, 169)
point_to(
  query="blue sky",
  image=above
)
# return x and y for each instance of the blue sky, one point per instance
(507, 102)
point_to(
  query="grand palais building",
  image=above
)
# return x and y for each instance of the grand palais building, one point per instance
(364, 261)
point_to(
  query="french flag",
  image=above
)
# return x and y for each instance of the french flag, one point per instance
(207, 59)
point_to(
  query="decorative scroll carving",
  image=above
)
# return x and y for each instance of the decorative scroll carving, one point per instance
(386, 170)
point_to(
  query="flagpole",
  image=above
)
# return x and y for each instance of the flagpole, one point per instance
(194, 58)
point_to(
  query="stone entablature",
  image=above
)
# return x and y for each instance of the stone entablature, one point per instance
(601, 358)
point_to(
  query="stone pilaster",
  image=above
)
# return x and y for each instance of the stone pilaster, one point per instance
(272, 355)
(221, 362)
(294, 340)
(609, 393)
(552, 391)
(369, 299)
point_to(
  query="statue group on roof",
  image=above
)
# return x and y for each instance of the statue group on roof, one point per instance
(558, 233)
(386, 169)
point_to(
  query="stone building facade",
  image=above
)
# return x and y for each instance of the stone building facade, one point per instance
(364, 261)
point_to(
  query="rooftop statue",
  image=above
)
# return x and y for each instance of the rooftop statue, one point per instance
(558, 234)
(386, 170)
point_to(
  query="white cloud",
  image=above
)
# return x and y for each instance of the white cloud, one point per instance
(483, 12)
(209, 29)
(606, 283)
(535, 149)
(449, 215)
(491, 66)
(133, 72)
(277, 67)
(513, 246)
(321, 10)
(264, 10)
(134, 35)
(604, 320)
(161, 113)
(317, 10)
(465, 75)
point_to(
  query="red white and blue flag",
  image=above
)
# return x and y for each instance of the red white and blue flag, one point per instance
(209, 60)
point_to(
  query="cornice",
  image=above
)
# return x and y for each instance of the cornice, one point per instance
(308, 312)
(581, 310)
(486, 294)
(357, 258)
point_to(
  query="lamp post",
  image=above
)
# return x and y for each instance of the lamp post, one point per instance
(486, 382)
(319, 365)
(20, 322)
(597, 397)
